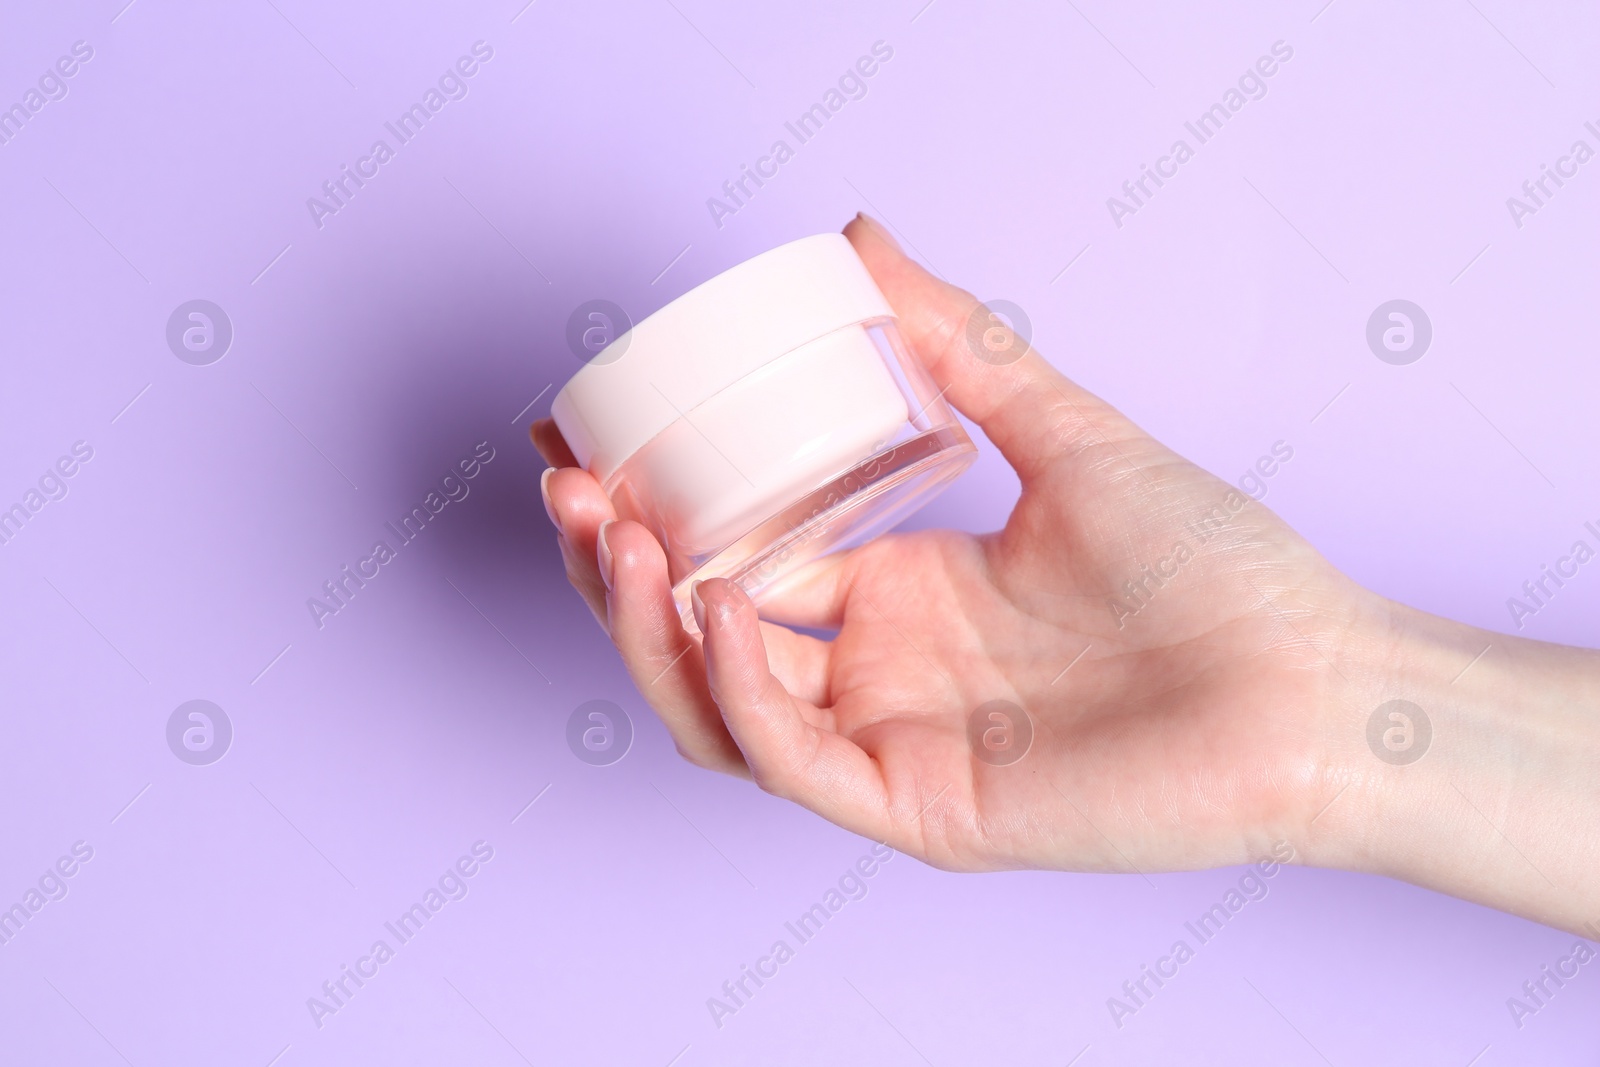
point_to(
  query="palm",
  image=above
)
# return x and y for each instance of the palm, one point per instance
(1152, 741)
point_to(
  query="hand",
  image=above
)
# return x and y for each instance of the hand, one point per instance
(1182, 725)
(1197, 677)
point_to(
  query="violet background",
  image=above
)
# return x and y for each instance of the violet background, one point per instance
(427, 315)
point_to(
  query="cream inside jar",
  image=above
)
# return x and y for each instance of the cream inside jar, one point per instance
(763, 419)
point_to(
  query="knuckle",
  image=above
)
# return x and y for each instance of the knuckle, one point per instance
(773, 780)
(694, 754)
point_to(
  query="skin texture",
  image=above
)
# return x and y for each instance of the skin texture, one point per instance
(1217, 717)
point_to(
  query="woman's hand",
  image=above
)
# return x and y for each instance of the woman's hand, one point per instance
(1197, 679)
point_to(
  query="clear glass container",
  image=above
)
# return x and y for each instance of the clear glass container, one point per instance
(769, 453)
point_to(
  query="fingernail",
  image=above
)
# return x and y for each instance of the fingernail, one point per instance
(607, 567)
(544, 491)
(698, 605)
(878, 228)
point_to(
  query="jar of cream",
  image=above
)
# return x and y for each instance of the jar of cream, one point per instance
(763, 419)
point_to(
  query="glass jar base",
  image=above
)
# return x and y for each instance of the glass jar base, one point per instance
(848, 510)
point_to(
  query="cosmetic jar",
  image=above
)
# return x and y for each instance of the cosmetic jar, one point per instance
(765, 418)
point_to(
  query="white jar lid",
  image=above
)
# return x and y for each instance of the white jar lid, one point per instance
(708, 339)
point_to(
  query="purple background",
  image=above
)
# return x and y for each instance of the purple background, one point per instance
(371, 354)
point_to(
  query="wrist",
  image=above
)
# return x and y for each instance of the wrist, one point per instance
(1467, 762)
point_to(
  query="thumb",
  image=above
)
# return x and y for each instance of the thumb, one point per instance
(1035, 415)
